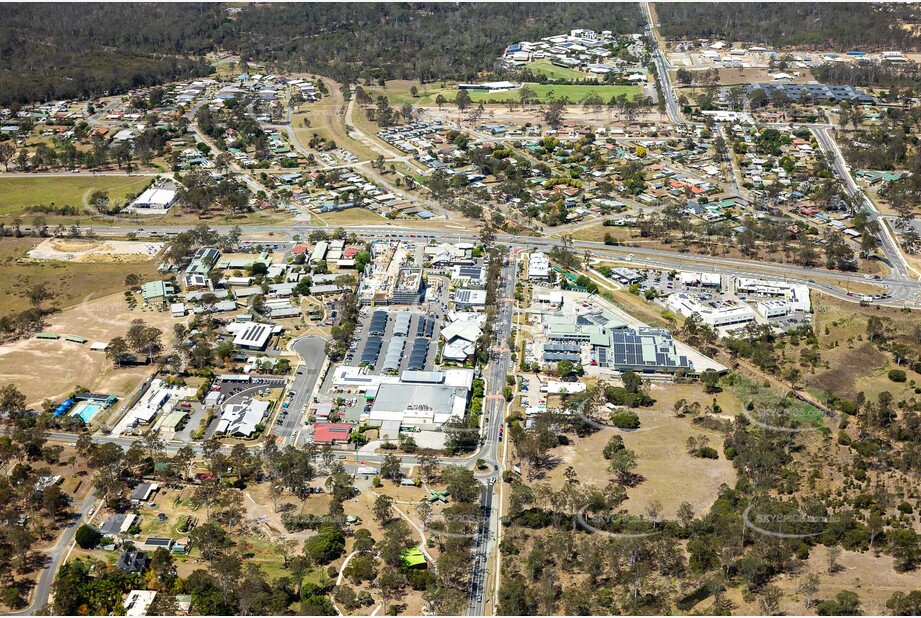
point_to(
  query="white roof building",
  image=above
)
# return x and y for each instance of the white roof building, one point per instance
(538, 266)
(727, 315)
(155, 198)
(240, 419)
(138, 602)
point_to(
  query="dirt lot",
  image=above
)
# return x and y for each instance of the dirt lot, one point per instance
(51, 369)
(70, 282)
(95, 251)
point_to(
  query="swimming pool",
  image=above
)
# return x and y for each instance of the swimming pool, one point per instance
(86, 411)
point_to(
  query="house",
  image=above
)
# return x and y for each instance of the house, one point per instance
(131, 561)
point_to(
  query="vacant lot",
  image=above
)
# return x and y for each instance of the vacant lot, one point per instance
(854, 364)
(18, 193)
(353, 216)
(672, 476)
(51, 369)
(70, 282)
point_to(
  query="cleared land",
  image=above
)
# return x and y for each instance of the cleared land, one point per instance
(671, 475)
(52, 368)
(70, 282)
(95, 251)
(352, 216)
(853, 363)
(18, 193)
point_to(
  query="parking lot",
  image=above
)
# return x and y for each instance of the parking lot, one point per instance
(389, 338)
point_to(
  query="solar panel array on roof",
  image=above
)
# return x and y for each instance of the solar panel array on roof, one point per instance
(418, 354)
(372, 351)
(401, 326)
(394, 354)
(629, 348)
(378, 323)
(470, 272)
(553, 357)
(562, 347)
(254, 333)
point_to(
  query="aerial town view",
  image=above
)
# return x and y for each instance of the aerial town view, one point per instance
(480, 309)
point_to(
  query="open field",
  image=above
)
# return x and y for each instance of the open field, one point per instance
(352, 216)
(554, 72)
(398, 93)
(52, 368)
(671, 475)
(19, 192)
(71, 283)
(853, 363)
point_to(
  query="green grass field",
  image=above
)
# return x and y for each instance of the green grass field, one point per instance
(544, 91)
(554, 72)
(18, 193)
(398, 92)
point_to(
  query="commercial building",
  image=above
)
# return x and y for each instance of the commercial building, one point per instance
(156, 200)
(157, 292)
(331, 433)
(408, 287)
(470, 299)
(795, 294)
(723, 314)
(253, 336)
(460, 340)
(538, 267)
(241, 419)
(606, 341)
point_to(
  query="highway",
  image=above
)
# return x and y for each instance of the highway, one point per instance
(671, 101)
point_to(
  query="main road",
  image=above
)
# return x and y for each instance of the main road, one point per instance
(887, 240)
(494, 420)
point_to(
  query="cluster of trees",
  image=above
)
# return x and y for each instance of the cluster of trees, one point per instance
(817, 26)
(74, 47)
(69, 53)
(27, 514)
(199, 192)
(142, 339)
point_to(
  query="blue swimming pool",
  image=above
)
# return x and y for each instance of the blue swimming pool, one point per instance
(86, 411)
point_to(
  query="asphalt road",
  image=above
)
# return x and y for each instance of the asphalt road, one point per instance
(487, 537)
(55, 557)
(311, 350)
(887, 242)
